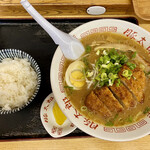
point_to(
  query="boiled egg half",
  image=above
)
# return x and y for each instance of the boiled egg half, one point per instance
(74, 75)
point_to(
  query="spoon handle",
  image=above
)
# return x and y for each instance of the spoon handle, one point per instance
(57, 35)
(71, 47)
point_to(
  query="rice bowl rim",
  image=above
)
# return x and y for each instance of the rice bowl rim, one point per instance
(15, 53)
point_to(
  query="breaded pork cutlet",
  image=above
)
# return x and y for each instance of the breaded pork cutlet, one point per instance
(93, 103)
(136, 83)
(123, 95)
(106, 96)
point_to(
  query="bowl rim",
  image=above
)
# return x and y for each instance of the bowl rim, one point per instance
(56, 91)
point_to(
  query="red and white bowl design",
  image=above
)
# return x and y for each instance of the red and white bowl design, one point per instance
(49, 122)
(123, 133)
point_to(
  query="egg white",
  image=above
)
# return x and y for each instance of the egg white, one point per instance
(76, 65)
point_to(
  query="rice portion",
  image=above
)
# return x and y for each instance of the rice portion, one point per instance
(18, 81)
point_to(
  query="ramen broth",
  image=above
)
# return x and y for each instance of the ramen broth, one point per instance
(111, 40)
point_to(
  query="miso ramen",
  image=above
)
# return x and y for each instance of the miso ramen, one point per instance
(110, 83)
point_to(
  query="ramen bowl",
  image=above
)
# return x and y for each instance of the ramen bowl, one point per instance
(115, 133)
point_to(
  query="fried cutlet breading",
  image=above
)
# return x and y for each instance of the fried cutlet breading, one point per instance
(106, 96)
(123, 95)
(93, 103)
(136, 83)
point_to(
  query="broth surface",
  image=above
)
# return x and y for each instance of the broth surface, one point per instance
(111, 40)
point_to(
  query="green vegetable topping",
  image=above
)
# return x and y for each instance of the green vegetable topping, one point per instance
(86, 62)
(127, 74)
(105, 52)
(116, 116)
(129, 119)
(69, 88)
(88, 49)
(109, 123)
(131, 65)
(147, 109)
(89, 74)
(108, 66)
(103, 76)
(118, 82)
(83, 108)
(147, 73)
(98, 52)
(134, 55)
(105, 70)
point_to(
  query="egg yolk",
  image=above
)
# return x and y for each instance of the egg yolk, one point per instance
(77, 78)
(58, 115)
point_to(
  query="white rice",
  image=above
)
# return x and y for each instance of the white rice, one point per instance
(18, 81)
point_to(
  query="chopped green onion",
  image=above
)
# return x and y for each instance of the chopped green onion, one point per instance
(116, 116)
(147, 109)
(105, 53)
(95, 84)
(110, 82)
(123, 59)
(116, 64)
(106, 59)
(98, 52)
(108, 66)
(112, 76)
(104, 66)
(134, 55)
(98, 78)
(147, 73)
(118, 82)
(103, 76)
(88, 49)
(127, 74)
(90, 74)
(101, 83)
(129, 119)
(109, 123)
(90, 114)
(83, 108)
(131, 65)
(134, 77)
(69, 87)
(86, 62)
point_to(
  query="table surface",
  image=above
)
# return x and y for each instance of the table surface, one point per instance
(11, 9)
(84, 143)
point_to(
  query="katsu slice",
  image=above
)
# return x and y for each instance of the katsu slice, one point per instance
(123, 95)
(136, 84)
(93, 103)
(106, 96)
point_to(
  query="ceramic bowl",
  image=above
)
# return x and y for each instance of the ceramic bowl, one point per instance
(49, 122)
(122, 133)
(12, 53)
